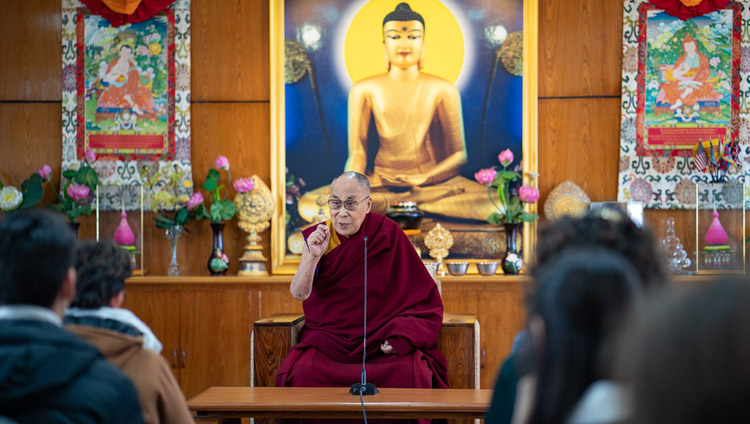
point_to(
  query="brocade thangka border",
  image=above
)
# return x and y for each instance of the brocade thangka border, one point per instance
(666, 178)
(118, 170)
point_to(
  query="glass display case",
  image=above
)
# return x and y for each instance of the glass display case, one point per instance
(720, 228)
(126, 228)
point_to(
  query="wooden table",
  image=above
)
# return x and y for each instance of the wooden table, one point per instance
(221, 404)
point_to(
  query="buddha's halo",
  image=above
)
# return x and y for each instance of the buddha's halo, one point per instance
(448, 37)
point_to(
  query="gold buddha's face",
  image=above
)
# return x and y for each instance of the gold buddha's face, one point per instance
(403, 42)
(347, 222)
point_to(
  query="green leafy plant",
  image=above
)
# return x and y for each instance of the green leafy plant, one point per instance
(510, 210)
(78, 187)
(13, 199)
(220, 210)
(170, 201)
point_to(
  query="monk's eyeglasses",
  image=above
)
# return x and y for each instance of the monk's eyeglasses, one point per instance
(349, 204)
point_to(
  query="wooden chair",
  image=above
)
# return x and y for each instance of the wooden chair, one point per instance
(458, 341)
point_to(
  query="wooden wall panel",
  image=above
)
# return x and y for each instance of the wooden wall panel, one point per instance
(30, 51)
(30, 136)
(276, 299)
(216, 339)
(501, 314)
(241, 132)
(579, 140)
(580, 48)
(159, 308)
(230, 50)
(229, 63)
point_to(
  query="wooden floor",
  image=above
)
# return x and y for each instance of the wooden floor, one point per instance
(219, 403)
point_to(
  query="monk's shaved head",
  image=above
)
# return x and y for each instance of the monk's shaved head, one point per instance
(361, 179)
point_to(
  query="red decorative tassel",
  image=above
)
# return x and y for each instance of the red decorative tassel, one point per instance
(677, 9)
(146, 10)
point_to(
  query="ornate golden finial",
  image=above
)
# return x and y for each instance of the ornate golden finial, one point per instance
(439, 240)
(321, 216)
(511, 53)
(254, 211)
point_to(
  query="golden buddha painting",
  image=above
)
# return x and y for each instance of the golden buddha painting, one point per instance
(417, 95)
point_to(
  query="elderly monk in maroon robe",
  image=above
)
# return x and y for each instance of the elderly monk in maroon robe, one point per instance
(404, 310)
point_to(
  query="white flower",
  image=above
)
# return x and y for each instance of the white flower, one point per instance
(10, 198)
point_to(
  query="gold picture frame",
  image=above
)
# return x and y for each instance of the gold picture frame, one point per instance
(283, 263)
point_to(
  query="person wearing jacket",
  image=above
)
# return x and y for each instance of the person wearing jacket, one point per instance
(47, 374)
(119, 335)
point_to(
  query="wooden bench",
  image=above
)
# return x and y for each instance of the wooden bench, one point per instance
(224, 405)
(458, 341)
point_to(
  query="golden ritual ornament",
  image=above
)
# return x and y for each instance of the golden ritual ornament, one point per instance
(511, 53)
(254, 211)
(439, 240)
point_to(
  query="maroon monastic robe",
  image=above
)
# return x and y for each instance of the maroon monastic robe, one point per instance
(403, 307)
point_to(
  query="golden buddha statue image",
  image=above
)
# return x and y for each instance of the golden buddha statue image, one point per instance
(420, 131)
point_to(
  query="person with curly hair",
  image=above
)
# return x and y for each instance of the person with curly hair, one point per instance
(127, 342)
(610, 228)
(605, 228)
(102, 269)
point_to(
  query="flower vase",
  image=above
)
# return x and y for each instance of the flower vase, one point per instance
(512, 261)
(173, 234)
(218, 261)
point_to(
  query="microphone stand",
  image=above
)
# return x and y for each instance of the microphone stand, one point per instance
(363, 387)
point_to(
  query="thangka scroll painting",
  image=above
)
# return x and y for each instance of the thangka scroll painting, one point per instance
(126, 96)
(685, 114)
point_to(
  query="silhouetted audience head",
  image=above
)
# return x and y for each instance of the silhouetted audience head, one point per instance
(36, 253)
(579, 301)
(687, 356)
(605, 227)
(102, 269)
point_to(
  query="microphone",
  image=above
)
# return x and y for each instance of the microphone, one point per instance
(363, 387)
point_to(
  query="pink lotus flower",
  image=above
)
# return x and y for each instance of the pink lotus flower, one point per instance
(90, 155)
(78, 192)
(485, 176)
(195, 200)
(505, 157)
(222, 163)
(528, 194)
(243, 185)
(44, 172)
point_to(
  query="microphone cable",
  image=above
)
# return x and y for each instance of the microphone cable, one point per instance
(363, 387)
(362, 401)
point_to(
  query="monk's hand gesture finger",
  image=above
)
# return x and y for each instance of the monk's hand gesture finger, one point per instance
(387, 348)
(318, 240)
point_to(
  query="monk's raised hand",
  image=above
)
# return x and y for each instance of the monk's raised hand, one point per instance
(318, 240)
(387, 348)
